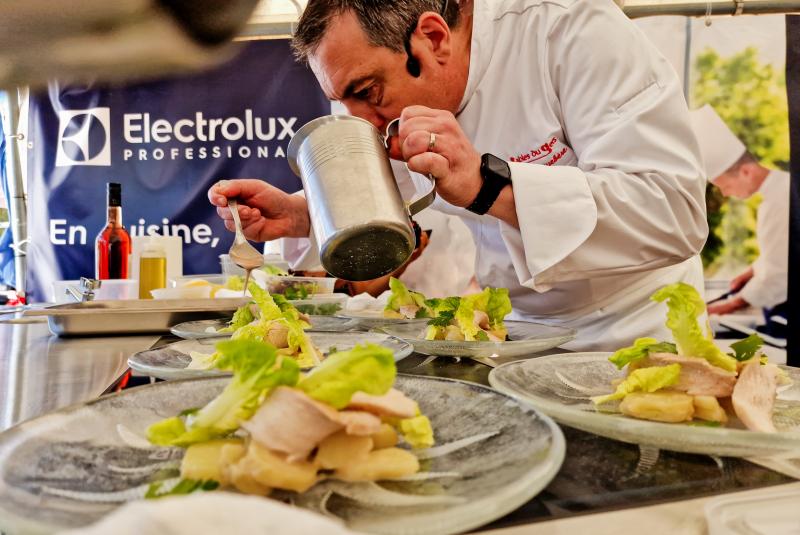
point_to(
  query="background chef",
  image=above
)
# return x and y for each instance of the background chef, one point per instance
(737, 173)
(555, 130)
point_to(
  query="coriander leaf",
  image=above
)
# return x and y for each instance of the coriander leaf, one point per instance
(746, 349)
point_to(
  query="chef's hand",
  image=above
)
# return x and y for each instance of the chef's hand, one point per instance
(267, 213)
(452, 159)
(739, 281)
(728, 307)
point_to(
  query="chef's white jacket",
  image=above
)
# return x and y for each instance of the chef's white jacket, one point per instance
(606, 171)
(769, 285)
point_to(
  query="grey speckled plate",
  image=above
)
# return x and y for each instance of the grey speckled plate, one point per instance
(191, 330)
(371, 319)
(97, 448)
(561, 385)
(525, 338)
(170, 361)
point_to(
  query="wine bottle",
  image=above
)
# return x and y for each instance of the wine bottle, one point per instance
(113, 244)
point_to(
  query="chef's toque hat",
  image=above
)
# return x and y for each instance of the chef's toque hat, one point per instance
(719, 147)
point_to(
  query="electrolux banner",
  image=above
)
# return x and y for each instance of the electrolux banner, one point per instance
(167, 142)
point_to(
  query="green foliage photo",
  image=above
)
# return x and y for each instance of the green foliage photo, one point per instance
(750, 96)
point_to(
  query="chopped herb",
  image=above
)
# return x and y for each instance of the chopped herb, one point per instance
(746, 349)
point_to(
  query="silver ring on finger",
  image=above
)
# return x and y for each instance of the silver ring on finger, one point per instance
(431, 142)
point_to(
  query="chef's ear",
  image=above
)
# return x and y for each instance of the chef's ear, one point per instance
(433, 35)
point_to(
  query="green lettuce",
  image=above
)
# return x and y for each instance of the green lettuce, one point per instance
(243, 316)
(267, 307)
(643, 380)
(300, 342)
(402, 296)
(493, 301)
(640, 349)
(235, 283)
(684, 307)
(255, 374)
(747, 348)
(369, 369)
(417, 431)
(272, 270)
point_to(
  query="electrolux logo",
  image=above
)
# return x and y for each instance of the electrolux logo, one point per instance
(84, 137)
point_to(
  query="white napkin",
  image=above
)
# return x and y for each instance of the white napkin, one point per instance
(365, 302)
(212, 513)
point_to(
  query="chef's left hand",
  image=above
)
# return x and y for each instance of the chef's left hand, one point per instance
(452, 159)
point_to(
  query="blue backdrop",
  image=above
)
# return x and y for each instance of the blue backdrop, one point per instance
(167, 142)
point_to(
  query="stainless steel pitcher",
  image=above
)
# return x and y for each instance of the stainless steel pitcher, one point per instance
(360, 221)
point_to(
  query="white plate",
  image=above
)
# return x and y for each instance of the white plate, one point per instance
(170, 361)
(561, 386)
(525, 338)
(97, 448)
(766, 512)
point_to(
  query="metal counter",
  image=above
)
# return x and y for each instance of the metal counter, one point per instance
(40, 372)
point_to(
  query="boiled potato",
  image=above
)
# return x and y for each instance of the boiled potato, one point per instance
(671, 407)
(708, 408)
(243, 481)
(340, 449)
(385, 438)
(273, 470)
(453, 332)
(278, 334)
(204, 461)
(386, 463)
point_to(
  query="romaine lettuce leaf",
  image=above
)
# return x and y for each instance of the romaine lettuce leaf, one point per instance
(243, 316)
(402, 296)
(369, 368)
(493, 301)
(747, 348)
(255, 374)
(684, 307)
(643, 380)
(299, 341)
(641, 348)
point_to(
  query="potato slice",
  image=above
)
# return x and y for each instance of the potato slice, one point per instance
(204, 461)
(272, 470)
(385, 438)
(708, 408)
(340, 449)
(670, 407)
(453, 333)
(386, 463)
(243, 481)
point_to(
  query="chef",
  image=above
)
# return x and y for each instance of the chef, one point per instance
(554, 129)
(730, 167)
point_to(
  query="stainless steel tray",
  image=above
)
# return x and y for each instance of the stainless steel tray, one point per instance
(132, 316)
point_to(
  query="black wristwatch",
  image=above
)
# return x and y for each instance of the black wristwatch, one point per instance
(496, 175)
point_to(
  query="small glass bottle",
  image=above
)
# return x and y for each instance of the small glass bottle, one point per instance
(152, 269)
(113, 244)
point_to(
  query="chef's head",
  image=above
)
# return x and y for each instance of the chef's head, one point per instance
(728, 164)
(380, 56)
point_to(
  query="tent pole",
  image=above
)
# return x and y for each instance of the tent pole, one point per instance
(17, 211)
(718, 7)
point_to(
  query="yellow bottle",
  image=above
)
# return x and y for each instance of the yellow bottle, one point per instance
(152, 269)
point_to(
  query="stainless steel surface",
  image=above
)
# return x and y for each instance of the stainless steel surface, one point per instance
(718, 7)
(40, 372)
(132, 316)
(359, 219)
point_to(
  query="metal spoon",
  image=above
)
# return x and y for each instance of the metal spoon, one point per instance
(242, 253)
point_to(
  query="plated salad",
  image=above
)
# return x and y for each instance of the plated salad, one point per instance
(275, 428)
(477, 317)
(690, 378)
(272, 319)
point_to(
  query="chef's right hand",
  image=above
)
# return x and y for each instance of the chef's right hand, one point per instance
(739, 281)
(267, 213)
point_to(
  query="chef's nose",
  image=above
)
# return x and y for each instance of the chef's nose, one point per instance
(366, 112)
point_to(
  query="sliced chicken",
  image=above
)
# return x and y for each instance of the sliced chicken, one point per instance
(359, 423)
(698, 377)
(481, 319)
(754, 396)
(393, 403)
(292, 423)
(409, 311)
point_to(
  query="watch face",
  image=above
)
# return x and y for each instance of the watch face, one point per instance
(496, 166)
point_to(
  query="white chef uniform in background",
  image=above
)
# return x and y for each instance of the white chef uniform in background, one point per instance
(605, 168)
(720, 149)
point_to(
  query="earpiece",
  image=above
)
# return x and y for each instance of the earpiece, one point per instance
(413, 66)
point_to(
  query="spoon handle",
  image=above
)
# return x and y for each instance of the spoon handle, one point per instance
(234, 207)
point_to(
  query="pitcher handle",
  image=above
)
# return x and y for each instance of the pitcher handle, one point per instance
(423, 202)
